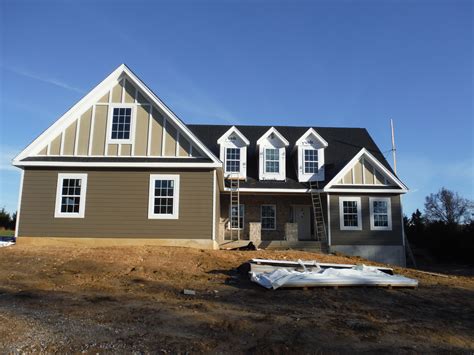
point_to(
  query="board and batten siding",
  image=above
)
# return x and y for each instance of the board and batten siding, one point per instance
(152, 133)
(366, 236)
(117, 205)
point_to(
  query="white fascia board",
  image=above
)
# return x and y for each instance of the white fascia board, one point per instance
(117, 164)
(298, 191)
(364, 152)
(235, 130)
(371, 191)
(314, 133)
(275, 132)
(91, 98)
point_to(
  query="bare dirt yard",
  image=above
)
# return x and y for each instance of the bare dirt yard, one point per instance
(129, 299)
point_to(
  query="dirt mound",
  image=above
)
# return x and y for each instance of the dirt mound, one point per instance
(123, 299)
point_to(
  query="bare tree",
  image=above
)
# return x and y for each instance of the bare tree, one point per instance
(448, 207)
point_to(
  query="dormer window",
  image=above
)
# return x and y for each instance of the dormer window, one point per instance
(310, 161)
(272, 152)
(232, 160)
(272, 161)
(233, 153)
(310, 155)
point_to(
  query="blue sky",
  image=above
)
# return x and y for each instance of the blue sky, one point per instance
(310, 63)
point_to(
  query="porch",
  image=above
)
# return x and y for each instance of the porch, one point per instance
(270, 221)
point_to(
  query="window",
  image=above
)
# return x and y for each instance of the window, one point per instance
(163, 197)
(310, 161)
(237, 217)
(268, 217)
(71, 196)
(232, 160)
(350, 213)
(380, 213)
(272, 160)
(120, 127)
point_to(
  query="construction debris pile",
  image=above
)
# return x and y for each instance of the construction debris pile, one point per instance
(273, 274)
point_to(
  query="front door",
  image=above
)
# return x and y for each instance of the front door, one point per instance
(302, 216)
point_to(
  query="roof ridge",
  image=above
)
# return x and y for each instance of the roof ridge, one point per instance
(250, 125)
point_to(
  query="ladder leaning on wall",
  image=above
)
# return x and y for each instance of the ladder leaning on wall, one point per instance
(318, 214)
(234, 201)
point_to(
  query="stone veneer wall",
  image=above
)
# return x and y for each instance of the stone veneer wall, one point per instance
(252, 212)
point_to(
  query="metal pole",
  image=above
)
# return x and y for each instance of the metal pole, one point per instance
(394, 150)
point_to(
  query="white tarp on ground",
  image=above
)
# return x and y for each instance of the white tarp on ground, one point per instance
(5, 244)
(359, 275)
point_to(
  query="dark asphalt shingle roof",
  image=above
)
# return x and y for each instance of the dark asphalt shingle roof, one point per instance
(343, 145)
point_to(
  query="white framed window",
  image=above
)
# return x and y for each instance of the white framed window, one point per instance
(163, 201)
(232, 160)
(237, 217)
(272, 160)
(350, 213)
(120, 123)
(380, 213)
(310, 162)
(268, 217)
(71, 196)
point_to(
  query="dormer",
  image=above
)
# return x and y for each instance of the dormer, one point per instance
(272, 156)
(233, 153)
(310, 156)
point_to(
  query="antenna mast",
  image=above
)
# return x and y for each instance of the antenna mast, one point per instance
(394, 150)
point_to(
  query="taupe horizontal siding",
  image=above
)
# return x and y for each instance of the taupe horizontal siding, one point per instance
(117, 206)
(366, 236)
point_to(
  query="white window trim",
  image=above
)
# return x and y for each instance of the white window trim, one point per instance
(261, 217)
(59, 195)
(240, 161)
(341, 213)
(133, 120)
(303, 151)
(302, 175)
(229, 227)
(389, 213)
(151, 197)
(279, 152)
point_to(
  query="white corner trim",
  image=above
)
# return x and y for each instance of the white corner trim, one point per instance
(231, 130)
(312, 131)
(341, 213)
(151, 197)
(20, 195)
(274, 218)
(82, 196)
(329, 219)
(214, 201)
(364, 152)
(388, 200)
(276, 133)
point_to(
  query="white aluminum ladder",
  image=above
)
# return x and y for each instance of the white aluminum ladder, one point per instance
(320, 232)
(234, 201)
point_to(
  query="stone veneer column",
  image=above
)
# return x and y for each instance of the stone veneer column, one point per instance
(221, 233)
(291, 232)
(255, 233)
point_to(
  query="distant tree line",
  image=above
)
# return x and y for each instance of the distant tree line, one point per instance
(445, 228)
(7, 221)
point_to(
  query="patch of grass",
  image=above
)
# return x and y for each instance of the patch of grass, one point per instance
(7, 233)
